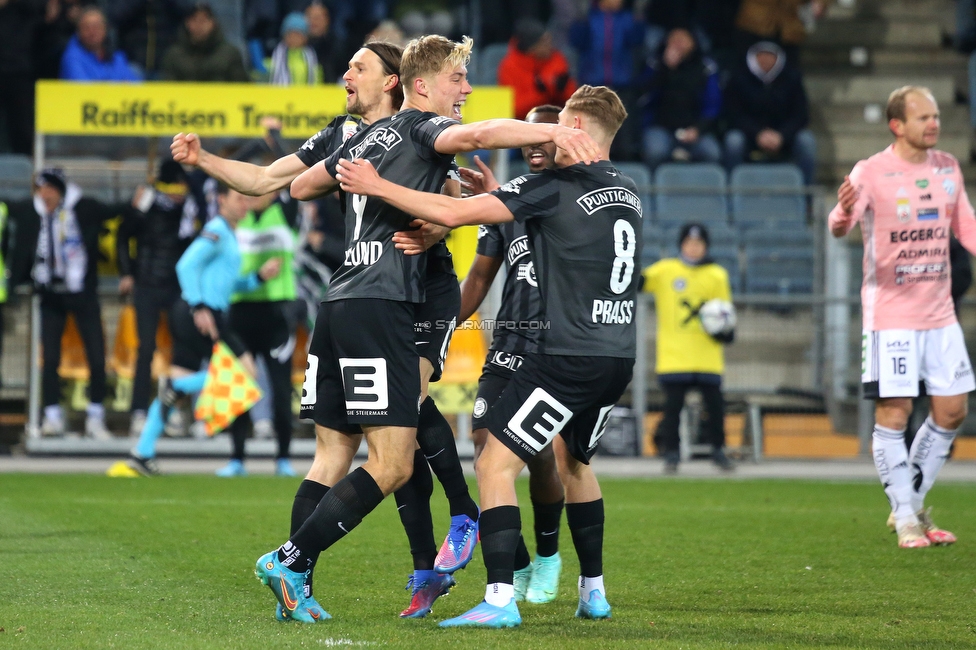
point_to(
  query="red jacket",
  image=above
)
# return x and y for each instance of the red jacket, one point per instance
(536, 81)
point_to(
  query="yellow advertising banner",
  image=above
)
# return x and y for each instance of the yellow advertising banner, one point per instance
(215, 110)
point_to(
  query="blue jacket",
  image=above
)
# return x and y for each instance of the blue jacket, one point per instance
(78, 64)
(605, 42)
(209, 269)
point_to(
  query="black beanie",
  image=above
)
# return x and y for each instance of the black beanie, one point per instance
(171, 172)
(528, 32)
(53, 176)
(695, 230)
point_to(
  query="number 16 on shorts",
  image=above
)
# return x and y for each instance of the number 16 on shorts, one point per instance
(890, 357)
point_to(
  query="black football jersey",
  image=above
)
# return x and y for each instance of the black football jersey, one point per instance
(323, 143)
(401, 148)
(519, 317)
(584, 233)
(320, 145)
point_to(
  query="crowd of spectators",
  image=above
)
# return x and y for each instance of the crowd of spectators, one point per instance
(703, 80)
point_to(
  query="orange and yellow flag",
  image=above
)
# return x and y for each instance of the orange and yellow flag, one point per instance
(228, 391)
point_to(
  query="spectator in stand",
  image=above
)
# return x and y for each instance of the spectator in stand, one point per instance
(146, 29)
(785, 22)
(768, 112)
(538, 72)
(55, 244)
(163, 226)
(389, 32)
(498, 18)
(18, 21)
(681, 102)
(663, 17)
(60, 24)
(293, 62)
(422, 17)
(201, 53)
(607, 42)
(322, 40)
(89, 57)
(564, 14)
(716, 21)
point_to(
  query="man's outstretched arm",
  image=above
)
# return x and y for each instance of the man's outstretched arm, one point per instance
(313, 183)
(244, 177)
(512, 134)
(360, 177)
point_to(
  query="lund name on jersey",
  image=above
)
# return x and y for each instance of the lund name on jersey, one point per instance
(364, 253)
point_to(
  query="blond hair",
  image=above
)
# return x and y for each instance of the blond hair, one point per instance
(895, 110)
(428, 55)
(600, 104)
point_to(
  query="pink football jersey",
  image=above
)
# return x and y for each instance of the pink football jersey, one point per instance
(906, 211)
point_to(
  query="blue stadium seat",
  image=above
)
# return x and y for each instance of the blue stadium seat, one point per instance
(767, 195)
(800, 237)
(780, 270)
(641, 175)
(690, 192)
(484, 64)
(653, 244)
(16, 172)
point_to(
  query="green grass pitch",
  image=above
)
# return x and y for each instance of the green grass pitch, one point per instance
(92, 562)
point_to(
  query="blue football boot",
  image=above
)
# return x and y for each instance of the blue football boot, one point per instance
(289, 588)
(427, 586)
(485, 615)
(458, 547)
(595, 607)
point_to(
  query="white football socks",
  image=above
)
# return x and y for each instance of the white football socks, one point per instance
(499, 594)
(587, 585)
(891, 460)
(929, 452)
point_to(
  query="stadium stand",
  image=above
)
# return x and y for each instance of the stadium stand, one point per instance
(690, 192)
(15, 176)
(779, 262)
(767, 196)
(484, 63)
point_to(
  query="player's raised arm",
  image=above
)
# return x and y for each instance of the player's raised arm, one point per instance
(360, 177)
(313, 183)
(508, 134)
(244, 177)
(852, 199)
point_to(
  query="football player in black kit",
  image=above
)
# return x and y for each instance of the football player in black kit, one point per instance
(583, 225)
(373, 92)
(517, 325)
(363, 354)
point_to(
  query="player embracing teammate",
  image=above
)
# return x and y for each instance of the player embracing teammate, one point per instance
(583, 224)
(908, 198)
(363, 374)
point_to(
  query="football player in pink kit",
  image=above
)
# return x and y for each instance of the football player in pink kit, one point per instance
(907, 199)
